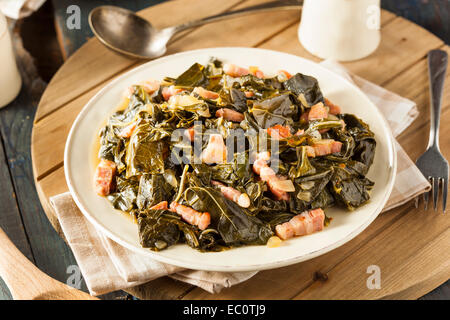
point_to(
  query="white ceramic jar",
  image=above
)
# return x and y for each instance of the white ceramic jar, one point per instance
(10, 81)
(342, 30)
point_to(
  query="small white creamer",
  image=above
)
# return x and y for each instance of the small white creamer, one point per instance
(342, 30)
(10, 81)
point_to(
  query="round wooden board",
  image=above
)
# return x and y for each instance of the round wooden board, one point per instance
(409, 245)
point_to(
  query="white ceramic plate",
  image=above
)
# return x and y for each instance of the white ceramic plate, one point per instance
(346, 225)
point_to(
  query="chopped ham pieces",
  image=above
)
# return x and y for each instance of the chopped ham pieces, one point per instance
(151, 85)
(310, 151)
(261, 161)
(326, 146)
(191, 216)
(317, 111)
(336, 146)
(232, 194)
(284, 73)
(206, 94)
(256, 72)
(279, 132)
(160, 206)
(215, 151)
(333, 108)
(104, 177)
(267, 174)
(189, 134)
(230, 115)
(302, 224)
(323, 148)
(127, 131)
(304, 116)
(234, 70)
(167, 92)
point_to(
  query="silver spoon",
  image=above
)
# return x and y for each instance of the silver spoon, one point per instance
(125, 32)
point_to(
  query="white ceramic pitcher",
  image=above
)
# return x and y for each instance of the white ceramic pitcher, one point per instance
(342, 30)
(10, 81)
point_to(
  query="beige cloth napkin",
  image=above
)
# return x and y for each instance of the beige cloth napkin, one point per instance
(107, 266)
(16, 9)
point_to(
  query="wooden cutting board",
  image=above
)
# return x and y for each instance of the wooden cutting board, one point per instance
(410, 246)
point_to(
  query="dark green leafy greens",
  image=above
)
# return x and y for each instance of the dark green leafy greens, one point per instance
(306, 88)
(151, 164)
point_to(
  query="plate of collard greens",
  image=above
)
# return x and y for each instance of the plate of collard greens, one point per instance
(230, 159)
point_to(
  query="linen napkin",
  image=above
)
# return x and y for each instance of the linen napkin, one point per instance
(107, 266)
(16, 9)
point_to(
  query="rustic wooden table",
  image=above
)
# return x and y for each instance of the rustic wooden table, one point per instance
(398, 65)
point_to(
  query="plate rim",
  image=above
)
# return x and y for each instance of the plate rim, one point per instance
(205, 267)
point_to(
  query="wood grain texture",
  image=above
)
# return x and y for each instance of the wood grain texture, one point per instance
(238, 31)
(161, 289)
(10, 218)
(287, 282)
(440, 293)
(399, 64)
(393, 242)
(26, 282)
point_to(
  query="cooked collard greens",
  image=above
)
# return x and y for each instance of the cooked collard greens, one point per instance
(225, 156)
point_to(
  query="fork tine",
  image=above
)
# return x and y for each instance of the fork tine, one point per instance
(435, 190)
(425, 200)
(444, 184)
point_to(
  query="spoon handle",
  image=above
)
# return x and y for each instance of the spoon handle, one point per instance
(437, 66)
(268, 6)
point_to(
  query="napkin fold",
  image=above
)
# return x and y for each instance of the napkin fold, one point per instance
(108, 266)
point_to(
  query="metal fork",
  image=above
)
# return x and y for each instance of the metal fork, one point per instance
(432, 164)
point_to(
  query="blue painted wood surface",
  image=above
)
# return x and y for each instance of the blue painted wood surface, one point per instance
(433, 15)
(72, 39)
